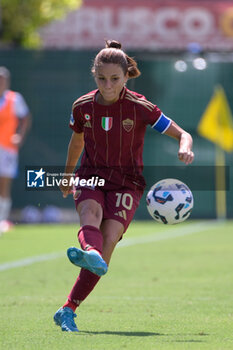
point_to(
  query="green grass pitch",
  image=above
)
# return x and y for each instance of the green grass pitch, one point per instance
(168, 287)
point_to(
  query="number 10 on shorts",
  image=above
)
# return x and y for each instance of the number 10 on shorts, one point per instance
(124, 199)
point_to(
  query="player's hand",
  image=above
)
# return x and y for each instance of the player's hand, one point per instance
(186, 156)
(66, 189)
(16, 139)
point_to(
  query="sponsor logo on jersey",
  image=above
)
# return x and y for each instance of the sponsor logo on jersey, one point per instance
(106, 123)
(122, 214)
(87, 124)
(128, 124)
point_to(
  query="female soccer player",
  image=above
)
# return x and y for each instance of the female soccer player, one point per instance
(109, 124)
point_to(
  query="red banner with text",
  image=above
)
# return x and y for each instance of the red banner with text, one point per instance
(138, 24)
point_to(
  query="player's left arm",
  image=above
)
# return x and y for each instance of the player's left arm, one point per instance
(185, 153)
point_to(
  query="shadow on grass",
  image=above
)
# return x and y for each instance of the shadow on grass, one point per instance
(128, 334)
(149, 334)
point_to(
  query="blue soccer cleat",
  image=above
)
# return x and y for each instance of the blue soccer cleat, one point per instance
(64, 317)
(89, 260)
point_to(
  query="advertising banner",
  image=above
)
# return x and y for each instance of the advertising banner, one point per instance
(138, 24)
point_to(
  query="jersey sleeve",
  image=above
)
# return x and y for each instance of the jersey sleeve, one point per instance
(76, 120)
(20, 107)
(152, 115)
(157, 119)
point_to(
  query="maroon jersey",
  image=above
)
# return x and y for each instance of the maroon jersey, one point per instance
(114, 137)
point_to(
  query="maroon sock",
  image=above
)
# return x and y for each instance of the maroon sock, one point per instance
(71, 305)
(83, 286)
(90, 237)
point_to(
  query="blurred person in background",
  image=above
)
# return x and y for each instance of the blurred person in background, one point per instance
(15, 121)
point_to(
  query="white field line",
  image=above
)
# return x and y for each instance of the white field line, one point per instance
(171, 232)
(30, 261)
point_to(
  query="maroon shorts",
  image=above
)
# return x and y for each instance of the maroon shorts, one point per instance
(119, 205)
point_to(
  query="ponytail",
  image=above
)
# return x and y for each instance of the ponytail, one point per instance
(133, 70)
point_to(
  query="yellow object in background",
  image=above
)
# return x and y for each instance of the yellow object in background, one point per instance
(216, 123)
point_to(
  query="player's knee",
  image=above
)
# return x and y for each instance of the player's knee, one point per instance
(90, 212)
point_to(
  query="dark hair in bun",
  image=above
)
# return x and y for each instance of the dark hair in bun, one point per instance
(112, 53)
(112, 43)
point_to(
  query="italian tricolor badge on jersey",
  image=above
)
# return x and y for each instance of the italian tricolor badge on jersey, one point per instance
(106, 123)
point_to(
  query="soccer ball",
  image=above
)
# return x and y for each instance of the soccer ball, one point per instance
(169, 201)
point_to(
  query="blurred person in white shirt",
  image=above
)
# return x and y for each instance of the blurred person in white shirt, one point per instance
(15, 120)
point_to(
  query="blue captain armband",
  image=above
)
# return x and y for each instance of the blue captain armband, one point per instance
(71, 119)
(162, 124)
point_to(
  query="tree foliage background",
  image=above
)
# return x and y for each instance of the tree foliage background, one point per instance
(22, 18)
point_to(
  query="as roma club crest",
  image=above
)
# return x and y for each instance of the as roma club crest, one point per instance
(128, 124)
(106, 123)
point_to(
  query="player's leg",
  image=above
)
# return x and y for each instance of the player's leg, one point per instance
(86, 281)
(90, 211)
(119, 208)
(8, 169)
(5, 204)
(5, 201)
(90, 237)
(112, 231)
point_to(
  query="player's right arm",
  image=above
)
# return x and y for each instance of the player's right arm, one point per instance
(75, 149)
(24, 120)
